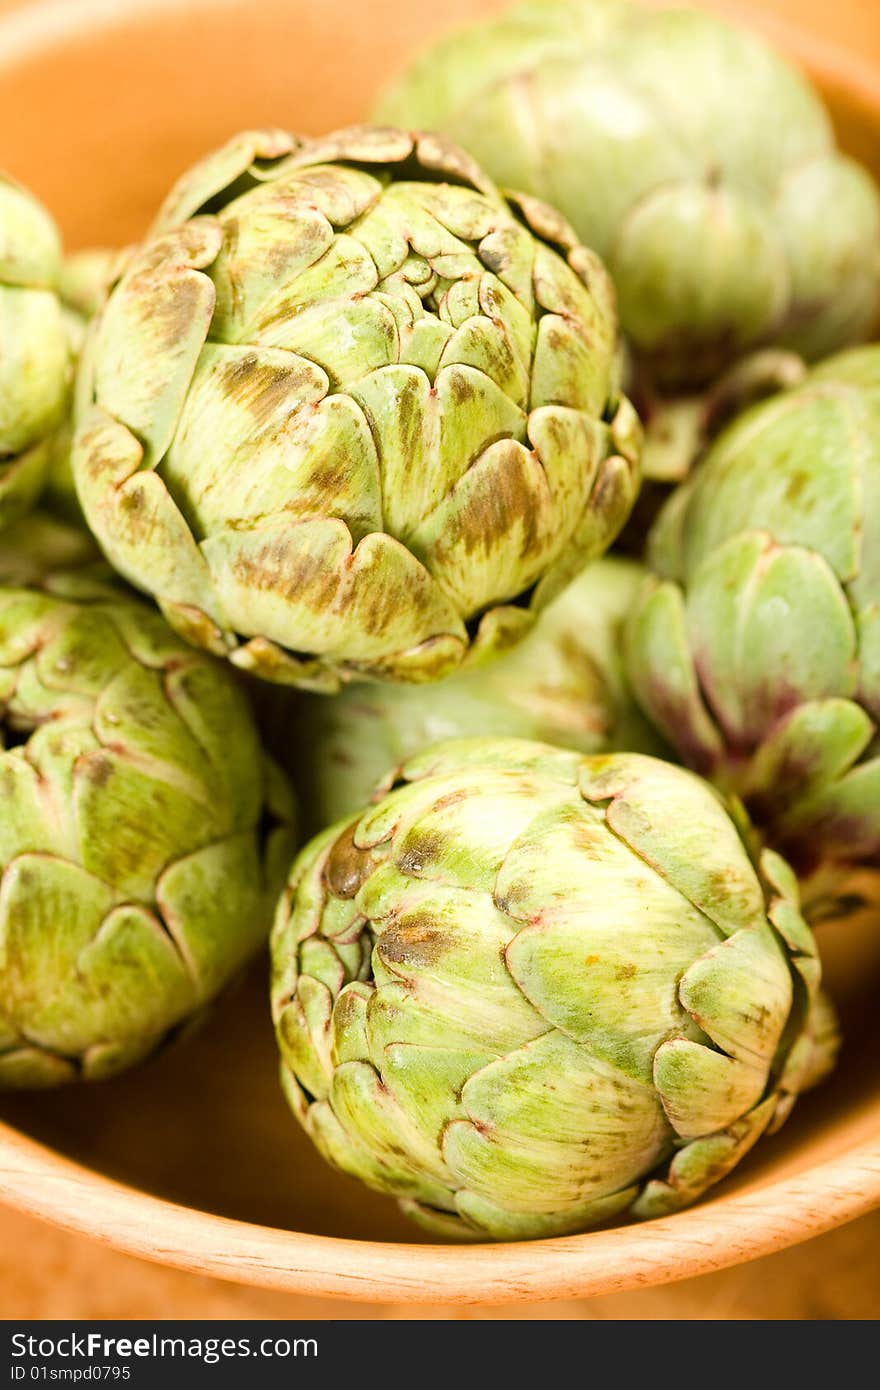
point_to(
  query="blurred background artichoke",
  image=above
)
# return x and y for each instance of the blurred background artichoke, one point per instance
(756, 650)
(36, 369)
(695, 161)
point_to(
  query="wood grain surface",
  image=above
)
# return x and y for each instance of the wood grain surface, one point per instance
(203, 1130)
(47, 1273)
(193, 1161)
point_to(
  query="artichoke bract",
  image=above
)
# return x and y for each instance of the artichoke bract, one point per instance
(144, 836)
(562, 684)
(35, 364)
(687, 154)
(349, 413)
(529, 990)
(756, 648)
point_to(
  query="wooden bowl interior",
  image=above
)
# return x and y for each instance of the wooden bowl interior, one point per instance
(101, 106)
(205, 1125)
(104, 102)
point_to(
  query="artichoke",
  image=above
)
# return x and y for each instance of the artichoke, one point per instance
(143, 838)
(49, 552)
(756, 648)
(679, 428)
(530, 990)
(686, 153)
(35, 366)
(83, 284)
(349, 413)
(563, 684)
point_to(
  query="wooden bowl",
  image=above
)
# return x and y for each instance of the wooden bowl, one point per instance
(193, 1160)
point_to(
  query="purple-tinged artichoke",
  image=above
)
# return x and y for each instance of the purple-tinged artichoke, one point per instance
(756, 648)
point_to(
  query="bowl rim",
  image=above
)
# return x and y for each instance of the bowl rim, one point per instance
(722, 1231)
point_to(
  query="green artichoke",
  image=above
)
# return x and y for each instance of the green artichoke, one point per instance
(563, 684)
(143, 837)
(35, 365)
(530, 990)
(48, 552)
(349, 413)
(756, 649)
(83, 285)
(687, 154)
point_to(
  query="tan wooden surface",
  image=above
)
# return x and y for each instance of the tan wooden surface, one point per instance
(59, 133)
(46, 1273)
(194, 1161)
